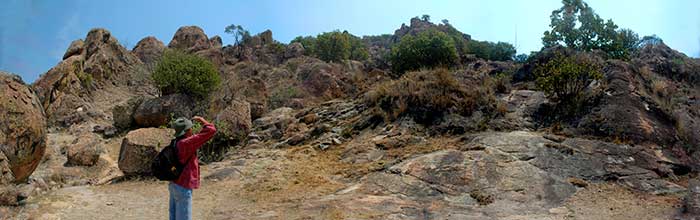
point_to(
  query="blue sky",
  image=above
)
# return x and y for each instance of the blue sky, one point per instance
(34, 34)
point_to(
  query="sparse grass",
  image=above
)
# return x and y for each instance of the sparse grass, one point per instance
(425, 96)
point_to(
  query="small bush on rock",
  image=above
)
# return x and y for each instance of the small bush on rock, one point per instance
(428, 49)
(179, 72)
(565, 79)
(425, 96)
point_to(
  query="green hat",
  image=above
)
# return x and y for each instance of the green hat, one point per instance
(181, 125)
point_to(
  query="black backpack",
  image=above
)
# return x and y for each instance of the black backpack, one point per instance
(167, 166)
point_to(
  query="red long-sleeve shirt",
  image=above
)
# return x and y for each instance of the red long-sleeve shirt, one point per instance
(186, 150)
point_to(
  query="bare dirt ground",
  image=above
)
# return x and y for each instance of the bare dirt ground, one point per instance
(276, 184)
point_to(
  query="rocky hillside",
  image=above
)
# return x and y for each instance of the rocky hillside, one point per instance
(301, 138)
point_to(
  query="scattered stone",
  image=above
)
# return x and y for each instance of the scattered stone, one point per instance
(296, 139)
(107, 131)
(84, 151)
(309, 118)
(692, 199)
(577, 182)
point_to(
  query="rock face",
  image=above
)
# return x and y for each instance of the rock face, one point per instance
(139, 147)
(22, 131)
(106, 60)
(85, 151)
(624, 114)
(149, 50)
(497, 176)
(234, 121)
(158, 111)
(190, 38)
(66, 90)
(692, 199)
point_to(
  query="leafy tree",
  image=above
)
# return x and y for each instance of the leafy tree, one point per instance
(309, 44)
(565, 79)
(358, 49)
(577, 26)
(334, 46)
(626, 42)
(491, 51)
(427, 49)
(425, 17)
(445, 22)
(239, 33)
(180, 72)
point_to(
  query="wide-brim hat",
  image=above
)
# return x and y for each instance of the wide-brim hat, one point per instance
(181, 125)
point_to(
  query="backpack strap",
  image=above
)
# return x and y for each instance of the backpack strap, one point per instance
(175, 141)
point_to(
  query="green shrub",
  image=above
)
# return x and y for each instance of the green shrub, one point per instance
(501, 51)
(564, 79)
(428, 49)
(425, 96)
(179, 72)
(334, 46)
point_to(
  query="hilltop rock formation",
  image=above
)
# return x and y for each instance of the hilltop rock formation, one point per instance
(66, 90)
(148, 50)
(23, 136)
(190, 39)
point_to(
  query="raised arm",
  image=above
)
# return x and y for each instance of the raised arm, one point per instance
(196, 141)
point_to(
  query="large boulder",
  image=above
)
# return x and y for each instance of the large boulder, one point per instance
(234, 121)
(159, 111)
(84, 151)
(22, 130)
(139, 147)
(294, 50)
(149, 49)
(123, 114)
(191, 39)
(77, 47)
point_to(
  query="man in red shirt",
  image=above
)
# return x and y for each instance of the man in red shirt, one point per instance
(187, 145)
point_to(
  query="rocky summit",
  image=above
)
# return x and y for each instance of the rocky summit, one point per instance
(318, 130)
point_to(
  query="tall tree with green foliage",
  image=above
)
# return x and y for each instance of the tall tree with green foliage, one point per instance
(577, 26)
(428, 49)
(501, 51)
(334, 46)
(238, 32)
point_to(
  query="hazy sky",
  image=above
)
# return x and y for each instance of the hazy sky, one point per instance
(35, 34)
